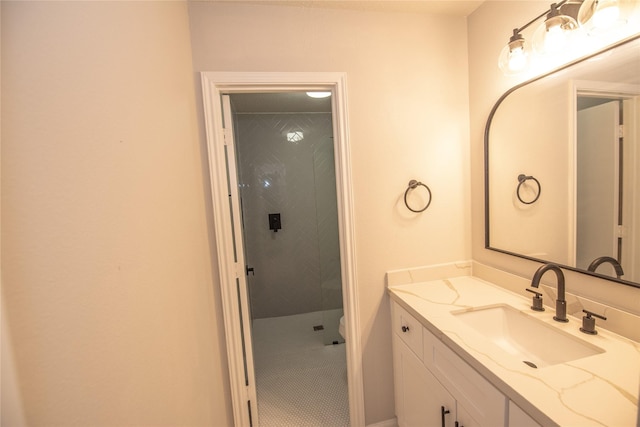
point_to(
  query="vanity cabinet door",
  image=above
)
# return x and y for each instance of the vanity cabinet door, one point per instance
(419, 396)
(482, 403)
(432, 379)
(463, 417)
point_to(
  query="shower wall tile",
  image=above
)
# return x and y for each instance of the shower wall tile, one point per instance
(297, 180)
(327, 222)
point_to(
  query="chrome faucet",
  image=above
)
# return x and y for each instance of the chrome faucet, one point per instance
(561, 303)
(616, 265)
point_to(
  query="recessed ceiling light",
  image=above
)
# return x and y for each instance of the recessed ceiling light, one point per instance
(319, 94)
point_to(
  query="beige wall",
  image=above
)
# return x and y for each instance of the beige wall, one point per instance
(109, 290)
(407, 96)
(489, 28)
(107, 280)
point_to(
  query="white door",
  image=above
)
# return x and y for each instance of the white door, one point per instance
(241, 267)
(598, 183)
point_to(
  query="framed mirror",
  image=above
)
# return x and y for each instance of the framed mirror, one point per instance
(562, 167)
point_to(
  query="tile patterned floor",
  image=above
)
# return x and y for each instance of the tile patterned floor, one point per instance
(300, 381)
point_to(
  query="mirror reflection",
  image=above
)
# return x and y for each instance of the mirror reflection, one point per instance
(563, 167)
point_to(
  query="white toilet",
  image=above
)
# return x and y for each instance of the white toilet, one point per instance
(341, 328)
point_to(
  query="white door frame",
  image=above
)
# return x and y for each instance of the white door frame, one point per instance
(214, 85)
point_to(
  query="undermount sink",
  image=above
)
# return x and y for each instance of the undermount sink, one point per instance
(533, 341)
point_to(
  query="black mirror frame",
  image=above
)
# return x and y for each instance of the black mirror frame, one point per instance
(487, 243)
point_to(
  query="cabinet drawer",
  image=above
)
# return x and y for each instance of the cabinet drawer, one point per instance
(479, 397)
(407, 328)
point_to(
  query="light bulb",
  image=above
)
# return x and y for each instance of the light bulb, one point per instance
(554, 34)
(606, 16)
(555, 39)
(517, 60)
(600, 16)
(514, 56)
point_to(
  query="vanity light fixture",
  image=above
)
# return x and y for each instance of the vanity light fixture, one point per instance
(562, 23)
(550, 36)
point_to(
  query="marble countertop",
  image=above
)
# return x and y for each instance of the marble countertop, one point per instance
(599, 390)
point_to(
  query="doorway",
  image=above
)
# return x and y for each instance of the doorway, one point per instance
(606, 155)
(231, 248)
(286, 181)
(287, 186)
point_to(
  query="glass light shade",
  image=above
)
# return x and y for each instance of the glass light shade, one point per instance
(554, 35)
(603, 15)
(513, 58)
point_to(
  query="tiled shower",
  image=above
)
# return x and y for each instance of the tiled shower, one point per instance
(286, 168)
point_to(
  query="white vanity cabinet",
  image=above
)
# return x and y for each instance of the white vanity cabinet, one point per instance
(433, 386)
(420, 398)
(441, 359)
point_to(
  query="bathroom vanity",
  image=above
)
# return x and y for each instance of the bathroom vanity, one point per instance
(467, 352)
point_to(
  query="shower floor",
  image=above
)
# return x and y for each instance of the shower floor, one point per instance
(300, 381)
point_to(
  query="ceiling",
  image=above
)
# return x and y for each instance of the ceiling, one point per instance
(451, 7)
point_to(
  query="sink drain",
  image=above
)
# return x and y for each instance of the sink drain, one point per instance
(531, 364)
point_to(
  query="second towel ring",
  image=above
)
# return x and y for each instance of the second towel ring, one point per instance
(522, 178)
(413, 184)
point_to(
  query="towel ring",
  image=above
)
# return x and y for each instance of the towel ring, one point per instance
(522, 178)
(413, 184)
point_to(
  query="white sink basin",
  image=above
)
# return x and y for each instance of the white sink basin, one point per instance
(533, 341)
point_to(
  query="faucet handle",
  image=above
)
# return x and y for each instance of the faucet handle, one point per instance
(537, 300)
(589, 323)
